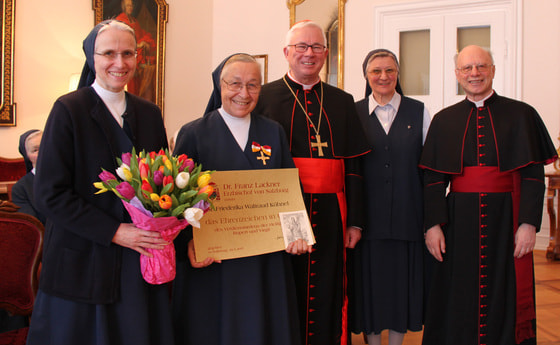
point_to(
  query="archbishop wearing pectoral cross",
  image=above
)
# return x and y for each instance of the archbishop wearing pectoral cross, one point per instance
(325, 137)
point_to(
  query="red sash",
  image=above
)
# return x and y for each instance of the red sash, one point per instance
(491, 180)
(326, 176)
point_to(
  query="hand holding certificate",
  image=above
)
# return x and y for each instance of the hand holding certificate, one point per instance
(256, 212)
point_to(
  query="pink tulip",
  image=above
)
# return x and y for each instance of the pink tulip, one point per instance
(126, 190)
(126, 158)
(106, 176)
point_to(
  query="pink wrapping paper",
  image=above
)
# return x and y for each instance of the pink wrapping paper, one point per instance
(160, 268)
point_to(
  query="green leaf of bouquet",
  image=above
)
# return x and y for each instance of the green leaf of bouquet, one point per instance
(166, 188)
(174, 200)
(118, 194)
(166, 171)
(157, 163)
(199, 197)
(161, 214)
(179, 210)
(186, 196)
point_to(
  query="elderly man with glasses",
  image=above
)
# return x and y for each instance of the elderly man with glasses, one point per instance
(491, 150)
(325, 137)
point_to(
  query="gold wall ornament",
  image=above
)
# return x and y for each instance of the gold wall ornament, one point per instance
(7, 108)
(152, 16)
(334, 55)
(557, 162)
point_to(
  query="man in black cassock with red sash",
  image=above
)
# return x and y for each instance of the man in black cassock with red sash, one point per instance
(324, 135)
(492, 151)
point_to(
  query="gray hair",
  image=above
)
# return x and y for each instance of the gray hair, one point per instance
(117, 24)
(304, 24)
(241, 57)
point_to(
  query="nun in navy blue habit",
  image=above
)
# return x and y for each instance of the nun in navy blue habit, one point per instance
(389, 258)
(91, 291)
(247, 300)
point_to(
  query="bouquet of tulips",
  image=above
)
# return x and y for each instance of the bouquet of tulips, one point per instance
(161, 193)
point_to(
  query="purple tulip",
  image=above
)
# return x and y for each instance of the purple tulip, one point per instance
(203, 205)
(126, 158)
(158, 177)
(106, 176)
(126, 190)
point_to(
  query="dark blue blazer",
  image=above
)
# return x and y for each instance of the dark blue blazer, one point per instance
(392, 179)
(80, 262)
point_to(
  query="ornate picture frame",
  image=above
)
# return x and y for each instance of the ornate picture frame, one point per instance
(149, 19)
(263, 61)
(7, 108)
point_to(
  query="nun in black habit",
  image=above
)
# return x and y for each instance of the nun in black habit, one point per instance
(22, 191)
(91, 290)
(248, 300)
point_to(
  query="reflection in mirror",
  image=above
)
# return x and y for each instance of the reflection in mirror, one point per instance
(329, 14)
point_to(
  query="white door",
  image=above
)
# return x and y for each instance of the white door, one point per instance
(442, 28)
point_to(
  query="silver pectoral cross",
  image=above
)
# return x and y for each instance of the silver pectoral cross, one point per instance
(320, 145)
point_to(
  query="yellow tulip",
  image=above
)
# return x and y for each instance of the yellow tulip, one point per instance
(203, 180)
(168, 165)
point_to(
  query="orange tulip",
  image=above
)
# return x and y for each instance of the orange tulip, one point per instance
(165, 202)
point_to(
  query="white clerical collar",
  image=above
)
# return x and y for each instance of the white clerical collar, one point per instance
(115, 101)
(238, 126)
(480, 104)
(305, 86)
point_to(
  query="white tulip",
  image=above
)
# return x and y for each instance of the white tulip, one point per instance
(124, 172)
(182, 179)
(193, 215)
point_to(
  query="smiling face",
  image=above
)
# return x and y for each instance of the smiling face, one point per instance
(240, 103)
(305, 67)
(477, 84)
(382, 74)
(113, 71)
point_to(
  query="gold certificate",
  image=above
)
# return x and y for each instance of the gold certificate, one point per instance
(246, 219)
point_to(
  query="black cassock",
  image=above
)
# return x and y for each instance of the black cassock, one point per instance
(475, 293)
(240, 301)
(320, 275)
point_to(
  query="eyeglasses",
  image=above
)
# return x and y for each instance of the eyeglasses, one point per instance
(237, 86)
(112, 55)
(389, 72)
(302, 47)
(482, 68)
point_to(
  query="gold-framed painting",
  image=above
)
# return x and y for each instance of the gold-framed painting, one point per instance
(148, 18)
(263, 61)
(7, 108)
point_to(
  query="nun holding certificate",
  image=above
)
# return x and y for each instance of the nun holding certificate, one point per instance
(248, 300)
